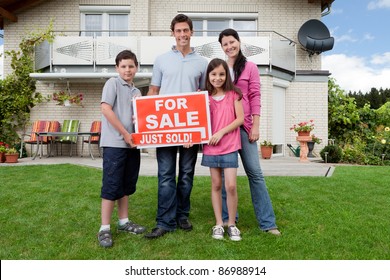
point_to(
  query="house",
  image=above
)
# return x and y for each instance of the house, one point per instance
(89, 33)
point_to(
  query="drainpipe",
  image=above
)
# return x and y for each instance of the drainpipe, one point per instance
(328, 11)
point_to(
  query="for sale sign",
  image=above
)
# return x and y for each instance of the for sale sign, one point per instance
(170, 120)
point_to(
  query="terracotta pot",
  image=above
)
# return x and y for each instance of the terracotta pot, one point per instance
(266, 152)
(11, 158)
(303, 133)
(2, 157)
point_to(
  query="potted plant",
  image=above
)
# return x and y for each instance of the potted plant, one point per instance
(310, 144)
(2, 152)
(66, 98)
(11, 155)
(303, 128)
(266, 149)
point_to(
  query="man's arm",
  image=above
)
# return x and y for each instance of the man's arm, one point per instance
(153, 90)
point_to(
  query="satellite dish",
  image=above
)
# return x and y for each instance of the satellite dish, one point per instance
(314, 36)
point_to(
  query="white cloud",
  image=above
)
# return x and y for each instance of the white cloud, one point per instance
(381, 59)
(378, 4)
(353, 73)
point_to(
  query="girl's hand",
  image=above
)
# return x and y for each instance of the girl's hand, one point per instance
(214, 140)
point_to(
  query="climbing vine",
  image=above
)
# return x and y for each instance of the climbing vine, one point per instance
(18, 93)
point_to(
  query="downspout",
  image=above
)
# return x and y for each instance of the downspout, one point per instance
(328, 11)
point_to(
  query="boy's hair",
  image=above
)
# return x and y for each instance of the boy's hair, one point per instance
(126, 54)
(240, 62)
(181, 18)
(228, 85)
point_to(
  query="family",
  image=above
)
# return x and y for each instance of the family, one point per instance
(234, 100)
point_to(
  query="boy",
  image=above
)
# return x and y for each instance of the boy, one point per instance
(121, 160)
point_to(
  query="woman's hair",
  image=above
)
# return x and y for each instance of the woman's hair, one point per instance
(228, 85)
(239, 64)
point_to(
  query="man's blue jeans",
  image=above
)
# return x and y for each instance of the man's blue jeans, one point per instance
(174, 198)
(261, 201)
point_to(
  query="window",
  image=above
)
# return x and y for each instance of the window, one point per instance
(212, 24)
(96, 19)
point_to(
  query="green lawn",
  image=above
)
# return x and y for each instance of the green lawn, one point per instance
(53, 212)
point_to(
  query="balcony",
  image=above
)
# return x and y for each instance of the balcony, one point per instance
(93, 57)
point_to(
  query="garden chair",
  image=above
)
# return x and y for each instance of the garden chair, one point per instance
(37, 126)
(55, 126)
(70, 128)
(93, 138)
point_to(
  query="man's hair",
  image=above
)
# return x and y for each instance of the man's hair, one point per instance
(126, 54)
(181, 18)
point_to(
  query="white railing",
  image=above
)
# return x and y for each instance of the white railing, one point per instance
(94, 51)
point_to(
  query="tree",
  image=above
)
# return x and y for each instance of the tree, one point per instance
(18, 91)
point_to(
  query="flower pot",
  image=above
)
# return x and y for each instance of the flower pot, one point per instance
(67, 103)
(303, 133)
(266, 151)
(11, 158)
(310, 146)
(2, 157)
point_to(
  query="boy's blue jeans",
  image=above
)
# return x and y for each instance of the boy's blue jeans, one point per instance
(174, 198)
(261, 201)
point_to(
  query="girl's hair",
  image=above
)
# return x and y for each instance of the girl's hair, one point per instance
(239, 64)
(228, 85)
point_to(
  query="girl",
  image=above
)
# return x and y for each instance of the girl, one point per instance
(221, 153)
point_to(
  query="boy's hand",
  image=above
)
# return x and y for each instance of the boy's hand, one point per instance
(129, 140)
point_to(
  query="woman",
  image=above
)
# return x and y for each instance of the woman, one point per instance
(246, 77)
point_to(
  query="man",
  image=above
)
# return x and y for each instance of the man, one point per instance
(178, 71)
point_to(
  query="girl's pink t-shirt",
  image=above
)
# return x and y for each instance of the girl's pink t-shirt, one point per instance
(222, 113)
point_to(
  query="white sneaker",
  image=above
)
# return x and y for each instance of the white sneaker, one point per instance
(218, 232)
(234, 233)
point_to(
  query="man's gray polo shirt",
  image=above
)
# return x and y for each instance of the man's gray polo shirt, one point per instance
(119, 94)
(174, 73)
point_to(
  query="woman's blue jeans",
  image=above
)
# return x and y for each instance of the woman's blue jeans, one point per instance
(174, 198)
(261, 201)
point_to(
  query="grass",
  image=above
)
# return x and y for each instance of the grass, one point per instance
(53, 212)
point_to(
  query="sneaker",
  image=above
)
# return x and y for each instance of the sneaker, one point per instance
(218, 232)
(105, 238)
(131, 227)
(274, 231)
(234, 233)
(184, 224)
(156, 233)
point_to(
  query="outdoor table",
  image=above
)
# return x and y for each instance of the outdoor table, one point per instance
(60, 134)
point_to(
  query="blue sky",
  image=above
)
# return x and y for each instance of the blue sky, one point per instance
(360, 58)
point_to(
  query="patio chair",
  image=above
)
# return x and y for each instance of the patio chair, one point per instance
(37, 126)
(93, 139)
(55, 126)
(69, 126)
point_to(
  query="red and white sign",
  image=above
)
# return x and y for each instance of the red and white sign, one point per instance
(171, 120)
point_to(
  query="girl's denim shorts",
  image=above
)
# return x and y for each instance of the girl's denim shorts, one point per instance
(221, 161)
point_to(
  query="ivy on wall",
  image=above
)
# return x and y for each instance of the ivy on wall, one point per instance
(18, 90)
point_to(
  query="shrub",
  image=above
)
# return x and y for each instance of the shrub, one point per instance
(334, 153)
